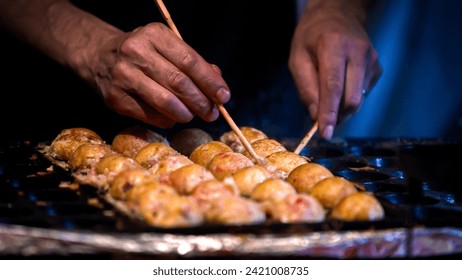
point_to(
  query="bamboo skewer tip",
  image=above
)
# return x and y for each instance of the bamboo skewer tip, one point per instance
(307, 138)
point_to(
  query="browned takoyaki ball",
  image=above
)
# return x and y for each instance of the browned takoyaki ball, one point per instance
(360, 206)
(204, 153)
(274, 188)
(128, 179)
(133, 195)
(186, 178)
(104, 171)
(82, 131)
(232, 140)
(226, 164)
(306, 176)
(207, 191)
(130, 140)
(167, 210)
(115, 163)
(331, 190)
(246, 179)
(111, 165)
(68, 140)
(295, 208)
(170, 164)
(152, 153)
(88, 155)
(264, 148)
(235, 210)
(186, 140)
(282, 163)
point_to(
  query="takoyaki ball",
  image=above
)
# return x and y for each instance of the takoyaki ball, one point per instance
(111, 165)
(115, 163)
(186, 140)
(246, 179)
(69, 140)
(167, 210)
(130, 140)
(331, 190)
(82, 131)
(264, 148)
(133, 195)
(170, 164)
(88, 154)
(128, 179)
(153, 153)
(274, 189)
(226, 164)
(204, 153)
(306, 176)
(282, 163)
(207, 191)
(295, 208)
(186, 178)
(360, 206)
(232, 140)
(235, 210)
(104, 171)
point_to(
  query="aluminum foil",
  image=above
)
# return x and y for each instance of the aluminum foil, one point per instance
(388, 243)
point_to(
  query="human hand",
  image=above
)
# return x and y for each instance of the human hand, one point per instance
(332, 61)
(152, 75)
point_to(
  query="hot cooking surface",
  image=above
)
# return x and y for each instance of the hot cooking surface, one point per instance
(415, 180)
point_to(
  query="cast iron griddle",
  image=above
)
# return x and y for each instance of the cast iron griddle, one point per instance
(414, 179)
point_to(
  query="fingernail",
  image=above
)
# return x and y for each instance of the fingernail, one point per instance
(223, 95)
(327, 132)
(215, 113)
(313, 111)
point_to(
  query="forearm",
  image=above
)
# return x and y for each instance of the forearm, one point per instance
(60, 30)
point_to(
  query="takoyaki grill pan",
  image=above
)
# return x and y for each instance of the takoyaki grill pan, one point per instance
(415, 180)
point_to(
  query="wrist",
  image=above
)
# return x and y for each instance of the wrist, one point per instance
(89, 44)
(355, 8)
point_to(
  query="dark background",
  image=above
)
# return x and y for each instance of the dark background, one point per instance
(419, 94)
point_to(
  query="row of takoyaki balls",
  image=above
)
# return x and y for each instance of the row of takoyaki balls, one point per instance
(210, 181)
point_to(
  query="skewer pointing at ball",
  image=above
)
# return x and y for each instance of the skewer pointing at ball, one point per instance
(307, 138)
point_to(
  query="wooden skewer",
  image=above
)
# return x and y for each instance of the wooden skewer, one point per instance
(167, 17)
(307, 138)
(221, 108)
(235, 128)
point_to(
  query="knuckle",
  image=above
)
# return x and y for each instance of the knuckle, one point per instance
(204, 107)
(361, 45)
(187, 60)
(353, 103)
(334, 85)
(152, 29)
(119, 70)
(129, 46)
(332, 37)
(177, 80)
(163, 100)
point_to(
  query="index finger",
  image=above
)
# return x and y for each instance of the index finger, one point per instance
(332, 63)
